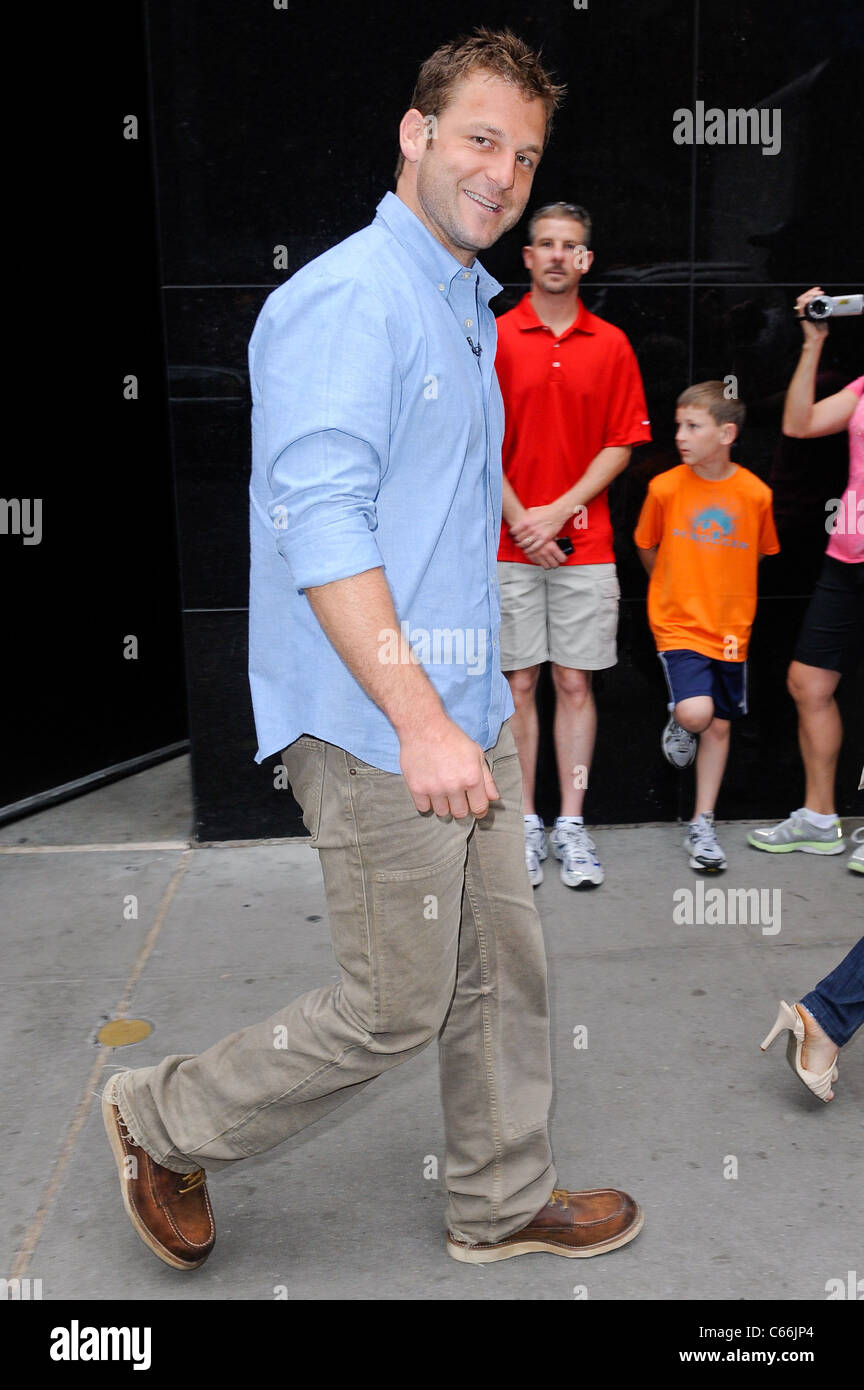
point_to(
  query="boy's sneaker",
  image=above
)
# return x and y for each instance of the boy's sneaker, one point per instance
(535, 849)
(571, 843)
(797, 832)
(679, 745)
(856, 862)
(705, 853)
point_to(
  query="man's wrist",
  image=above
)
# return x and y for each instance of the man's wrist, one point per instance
(421, 710)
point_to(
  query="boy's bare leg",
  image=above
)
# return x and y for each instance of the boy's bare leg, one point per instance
(820, 731)
(697, 716)
(710, 766)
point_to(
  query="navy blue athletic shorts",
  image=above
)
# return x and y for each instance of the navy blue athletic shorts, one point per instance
(690, 673)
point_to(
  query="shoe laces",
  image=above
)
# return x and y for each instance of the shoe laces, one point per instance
(191, 1181)
(558, 1198)
(574, 833)
(681, 737)
(703, 835)
(576, 843)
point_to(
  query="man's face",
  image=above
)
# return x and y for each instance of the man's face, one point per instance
(475, 177)
(557, 258)
(698, 436)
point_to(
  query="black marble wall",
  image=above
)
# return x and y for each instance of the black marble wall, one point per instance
(277, 127)
(80, 700)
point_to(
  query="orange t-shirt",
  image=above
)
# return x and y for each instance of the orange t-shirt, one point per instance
(702, 594)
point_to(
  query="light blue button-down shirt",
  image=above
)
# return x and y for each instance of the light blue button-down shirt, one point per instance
(376, 440)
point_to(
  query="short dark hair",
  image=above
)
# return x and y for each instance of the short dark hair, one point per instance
(500, 53)
(571, 210)
(711, 396)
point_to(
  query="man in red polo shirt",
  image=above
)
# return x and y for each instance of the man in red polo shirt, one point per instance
(574, 408)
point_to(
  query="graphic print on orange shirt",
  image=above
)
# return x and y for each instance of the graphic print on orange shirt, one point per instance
(710, 534)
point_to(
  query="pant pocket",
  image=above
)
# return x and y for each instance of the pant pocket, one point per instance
(414, 944)
(303, 760)
(608, 597)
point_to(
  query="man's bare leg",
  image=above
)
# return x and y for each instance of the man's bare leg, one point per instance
(575, 732)
(526, 729)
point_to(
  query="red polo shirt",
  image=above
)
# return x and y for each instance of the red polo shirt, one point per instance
(565, 399)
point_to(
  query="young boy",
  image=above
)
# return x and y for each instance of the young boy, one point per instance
(701, 533)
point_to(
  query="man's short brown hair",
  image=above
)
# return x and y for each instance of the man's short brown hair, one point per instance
(499, 53)
(711, 396)
(574, 211)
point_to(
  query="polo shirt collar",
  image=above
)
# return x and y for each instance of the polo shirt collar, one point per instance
(526, 318)
(433, 258)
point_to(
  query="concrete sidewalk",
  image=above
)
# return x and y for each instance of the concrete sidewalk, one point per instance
(751, 1188)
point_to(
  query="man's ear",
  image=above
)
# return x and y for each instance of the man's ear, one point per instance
(528, 257)
(413, 134)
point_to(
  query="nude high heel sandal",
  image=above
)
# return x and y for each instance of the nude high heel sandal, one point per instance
(789, 1017)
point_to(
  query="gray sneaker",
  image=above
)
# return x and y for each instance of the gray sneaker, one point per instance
(797, 832)
(535, 851)
(856, 860)
(678, 745)
(580, 867)
(705, 853)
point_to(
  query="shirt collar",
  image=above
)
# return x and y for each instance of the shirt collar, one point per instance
(526, 318)
(433, 258)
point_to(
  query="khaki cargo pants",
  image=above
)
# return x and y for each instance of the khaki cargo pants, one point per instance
(436, 935)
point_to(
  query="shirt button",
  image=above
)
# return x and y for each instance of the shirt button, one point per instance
(466, 275)
(556, 364)
(469, 323)
(440, 287)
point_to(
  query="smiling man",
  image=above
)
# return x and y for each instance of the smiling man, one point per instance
(375, 511)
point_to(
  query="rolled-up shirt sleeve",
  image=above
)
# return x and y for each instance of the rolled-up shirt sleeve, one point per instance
(323, 377)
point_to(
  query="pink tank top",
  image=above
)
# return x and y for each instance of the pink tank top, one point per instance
(846, 521)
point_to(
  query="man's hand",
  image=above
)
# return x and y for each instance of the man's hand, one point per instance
(539, 525)
(549, 556)
(445, 770)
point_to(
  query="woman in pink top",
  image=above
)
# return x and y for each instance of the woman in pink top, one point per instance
(831, 640)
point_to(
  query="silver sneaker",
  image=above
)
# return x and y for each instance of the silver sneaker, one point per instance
(678, 745)
(535, 851)
(705, 853)
(797, 832)
(856, 860)
(580, 867)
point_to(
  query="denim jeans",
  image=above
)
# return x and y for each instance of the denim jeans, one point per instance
(436, 935)
(837, 1002)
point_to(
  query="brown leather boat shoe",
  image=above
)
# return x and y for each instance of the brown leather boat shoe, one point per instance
(170, 1211)
(574, 1224)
